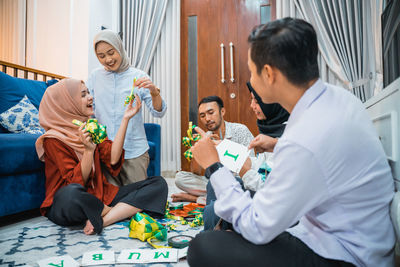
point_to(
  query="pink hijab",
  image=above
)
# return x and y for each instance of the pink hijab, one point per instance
(61, 103)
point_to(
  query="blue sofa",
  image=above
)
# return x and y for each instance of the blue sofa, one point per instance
(22, 179)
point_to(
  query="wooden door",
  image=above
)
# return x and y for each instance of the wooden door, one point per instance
(214, 56)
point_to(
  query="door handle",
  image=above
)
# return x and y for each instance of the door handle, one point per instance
(232, 68)
(222, 64)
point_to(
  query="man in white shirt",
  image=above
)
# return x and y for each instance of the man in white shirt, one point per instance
(211, 113)
(330, 171)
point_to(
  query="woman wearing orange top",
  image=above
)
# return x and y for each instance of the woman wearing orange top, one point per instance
(77, 191)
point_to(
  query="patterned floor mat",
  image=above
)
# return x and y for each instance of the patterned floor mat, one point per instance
(30, 243)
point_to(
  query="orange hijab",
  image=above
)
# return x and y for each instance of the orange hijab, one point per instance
(61, 103)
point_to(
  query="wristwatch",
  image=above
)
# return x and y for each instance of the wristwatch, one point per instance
(213, 168)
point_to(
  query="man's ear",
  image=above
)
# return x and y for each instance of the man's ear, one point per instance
(222, 112)
(269, 74)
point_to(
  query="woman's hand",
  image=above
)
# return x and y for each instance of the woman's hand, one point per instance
(146, 83)
(263, 143)
(131, 111)
(86, 138)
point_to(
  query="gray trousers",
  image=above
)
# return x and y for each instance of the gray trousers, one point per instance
(132, 171)
(193, 184)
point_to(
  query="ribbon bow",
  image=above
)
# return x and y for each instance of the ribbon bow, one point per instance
(131, 96)
(97, 131)
(189, 140)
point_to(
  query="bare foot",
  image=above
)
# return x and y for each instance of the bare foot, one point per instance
(183, 197)
(88, 229)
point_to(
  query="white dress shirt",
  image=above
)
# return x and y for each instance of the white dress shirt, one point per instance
(331, 173)
(109, 90)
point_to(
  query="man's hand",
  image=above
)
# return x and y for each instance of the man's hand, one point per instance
(204, 151)
(215, 137)
(263, 143)
(246, 166)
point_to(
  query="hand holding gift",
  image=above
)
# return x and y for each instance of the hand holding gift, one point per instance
(97, 131)
(189, 141)
(131, 96)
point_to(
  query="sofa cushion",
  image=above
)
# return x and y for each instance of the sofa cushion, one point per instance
(22, 118)
(18, 154)
(12, 90)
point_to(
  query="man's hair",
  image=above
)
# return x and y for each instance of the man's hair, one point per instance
(289, 45)
(212, 98)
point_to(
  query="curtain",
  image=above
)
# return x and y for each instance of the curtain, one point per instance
(141, 26)
(12, 31)
(376, 30)
(288, 8)
(165, 71)
(163, 67)
(346, 40)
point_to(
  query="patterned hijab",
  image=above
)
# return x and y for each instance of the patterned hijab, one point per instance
(61, 103)
(115, 41)
(275, 115)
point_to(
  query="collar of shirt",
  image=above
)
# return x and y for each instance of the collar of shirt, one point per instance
(228, 132)
(309, 96)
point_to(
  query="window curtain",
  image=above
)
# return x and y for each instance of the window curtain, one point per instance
(376, 31)
(348, 33)
(164, 70)
(141, 27)
(288, 8)
(12, 31)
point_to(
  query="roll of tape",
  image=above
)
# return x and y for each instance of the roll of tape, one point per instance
(179, 241)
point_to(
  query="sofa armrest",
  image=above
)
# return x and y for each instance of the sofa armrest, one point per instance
(153, 134)
(18, 154)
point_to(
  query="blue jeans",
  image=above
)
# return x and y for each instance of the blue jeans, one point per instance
(209, 217)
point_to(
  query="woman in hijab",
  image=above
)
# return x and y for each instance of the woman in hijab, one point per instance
(77, 191)
(109, 85)
(271, 120)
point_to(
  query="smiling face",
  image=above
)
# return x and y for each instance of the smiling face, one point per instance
(256, 108)
(87, 101)
(211, 115)
(108, 56)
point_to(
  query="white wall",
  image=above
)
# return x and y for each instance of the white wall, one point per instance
(59, 33)
(57, 36)
(102, 13)
(12, 31)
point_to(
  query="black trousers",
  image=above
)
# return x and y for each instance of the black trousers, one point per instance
(72, 205)
(228, 248)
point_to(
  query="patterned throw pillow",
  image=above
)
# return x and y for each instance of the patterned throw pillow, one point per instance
(22, 118)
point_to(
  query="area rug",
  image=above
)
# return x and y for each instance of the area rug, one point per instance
(30, 243)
